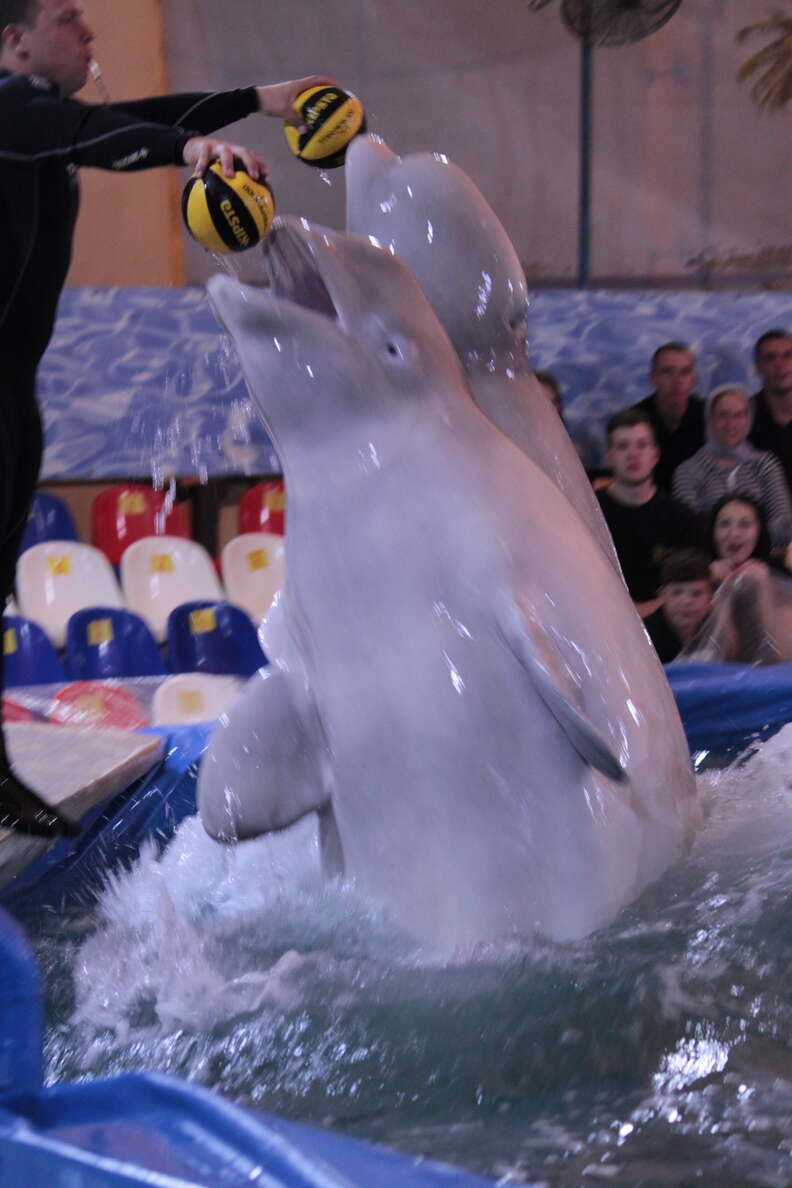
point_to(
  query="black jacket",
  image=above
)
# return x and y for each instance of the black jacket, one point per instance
(44, 139)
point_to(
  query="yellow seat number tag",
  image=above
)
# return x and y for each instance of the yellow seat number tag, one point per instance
(257, 559)
(132, 504)
(100, 631)
(161, 563)
(59, 564)
(191, 702)
(202, 621)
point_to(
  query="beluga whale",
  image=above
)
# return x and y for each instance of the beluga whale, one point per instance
(459, 683)
(429, 212)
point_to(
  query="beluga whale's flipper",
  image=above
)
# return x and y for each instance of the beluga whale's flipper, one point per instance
(262, 769)
(543, 663)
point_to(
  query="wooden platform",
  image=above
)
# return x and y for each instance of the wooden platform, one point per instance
(74, 769)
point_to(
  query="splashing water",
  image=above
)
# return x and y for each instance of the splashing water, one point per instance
(655, 1052)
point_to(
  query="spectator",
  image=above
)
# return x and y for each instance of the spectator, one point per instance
(772, 424)
(552, 390)
(737, 533)
(728, 463)
(643, 521)
(686, 590)
(676, 414)
(751, 617)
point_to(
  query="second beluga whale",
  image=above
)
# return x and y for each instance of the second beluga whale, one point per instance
(427, 211)
(458, 680)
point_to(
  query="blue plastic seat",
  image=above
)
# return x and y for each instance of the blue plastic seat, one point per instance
(49, 519)
(215, 637)
(105, 641)
(28, 655)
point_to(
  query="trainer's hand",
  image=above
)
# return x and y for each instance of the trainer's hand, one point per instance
(278, 98)
(200, 151)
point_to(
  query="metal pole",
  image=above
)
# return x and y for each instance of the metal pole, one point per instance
(584, 206)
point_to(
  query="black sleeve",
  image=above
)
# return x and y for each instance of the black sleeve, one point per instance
(41, 126)
(204, 113)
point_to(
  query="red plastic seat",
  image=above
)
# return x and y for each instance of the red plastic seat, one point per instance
(92, 703)
(126, 513)
(14, 712)
(262, 508)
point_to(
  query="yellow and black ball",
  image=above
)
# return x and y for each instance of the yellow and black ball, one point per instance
(227, 214)
(332, 117)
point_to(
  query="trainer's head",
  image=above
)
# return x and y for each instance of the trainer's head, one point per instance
(47, 38)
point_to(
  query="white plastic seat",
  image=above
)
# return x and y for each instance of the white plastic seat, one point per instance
(253, 569)
(158, 573)
(59, 577)
(193, 697)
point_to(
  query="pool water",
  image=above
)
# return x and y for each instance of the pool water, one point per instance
(656, 1052)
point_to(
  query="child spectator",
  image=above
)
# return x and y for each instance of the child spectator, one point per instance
(686, 590)
(644, 522)
(728, 463)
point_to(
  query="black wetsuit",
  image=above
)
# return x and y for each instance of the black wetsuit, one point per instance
(44, 139)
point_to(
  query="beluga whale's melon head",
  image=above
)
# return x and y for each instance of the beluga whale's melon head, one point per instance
(428, 212)
(339, 335)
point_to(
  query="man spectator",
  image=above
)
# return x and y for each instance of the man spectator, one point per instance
(772, 423)
(644, 521)
(675, 413)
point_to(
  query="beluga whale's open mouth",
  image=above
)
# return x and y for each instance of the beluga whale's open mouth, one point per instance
(291, 269)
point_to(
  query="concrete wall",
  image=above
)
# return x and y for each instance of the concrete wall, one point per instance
(690, 183)
(129, 227)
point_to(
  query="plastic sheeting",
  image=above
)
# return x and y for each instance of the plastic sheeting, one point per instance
(73, 871)
(750, 621)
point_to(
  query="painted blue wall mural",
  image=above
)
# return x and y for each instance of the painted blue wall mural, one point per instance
(142, 382)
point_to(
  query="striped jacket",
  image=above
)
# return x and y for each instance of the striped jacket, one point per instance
(700, 482)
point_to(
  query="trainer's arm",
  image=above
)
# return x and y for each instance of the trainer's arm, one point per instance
(206, 113)
(36, 125)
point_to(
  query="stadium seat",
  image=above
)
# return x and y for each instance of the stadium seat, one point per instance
(262, 508)
(49, 518)
(253, 570)
(28, 655)
(213, 637)
(103, 641)
(14, 712)
(60, 577)
(158, 573)
(123, 514)
(193, 697)
(93, 703)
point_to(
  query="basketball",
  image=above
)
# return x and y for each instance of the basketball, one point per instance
(227, 214)
(332, 117)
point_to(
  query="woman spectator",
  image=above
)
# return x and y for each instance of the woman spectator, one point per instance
(751, 616)
(727, 463)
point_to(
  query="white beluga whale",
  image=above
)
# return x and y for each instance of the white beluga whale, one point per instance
(427, 211)
(458, 676)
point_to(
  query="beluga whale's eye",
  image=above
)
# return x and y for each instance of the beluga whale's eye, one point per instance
(399, 349)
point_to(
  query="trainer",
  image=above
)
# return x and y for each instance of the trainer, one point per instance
(45, 136)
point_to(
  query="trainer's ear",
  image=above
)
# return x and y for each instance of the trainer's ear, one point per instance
(10, 41)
